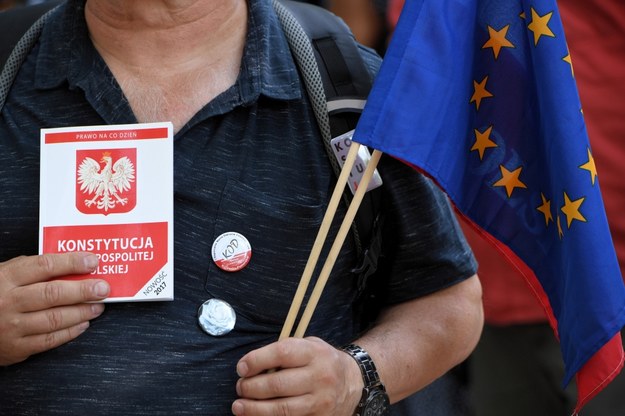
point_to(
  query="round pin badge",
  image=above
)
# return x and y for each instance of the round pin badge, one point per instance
(216, 317)
(231, 252)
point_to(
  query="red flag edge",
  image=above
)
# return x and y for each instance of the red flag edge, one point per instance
(599, 370)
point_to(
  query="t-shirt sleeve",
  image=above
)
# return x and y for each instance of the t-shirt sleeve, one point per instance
(423, 247)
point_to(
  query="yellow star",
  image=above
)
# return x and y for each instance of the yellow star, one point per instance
(480, 92)
(545, 208)
(498, 40)
(540, 26)
(510, 179)
(590, 167)
(560, 232)
(568, 60)
(483, 141)
(522, 15)
(571, 210)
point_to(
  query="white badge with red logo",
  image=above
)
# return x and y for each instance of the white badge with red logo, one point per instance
(109, 190)
(231, 252)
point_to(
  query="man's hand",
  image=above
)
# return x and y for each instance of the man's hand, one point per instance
(312, 378)
(36, 314)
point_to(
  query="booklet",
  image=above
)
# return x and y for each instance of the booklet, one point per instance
(109, 190)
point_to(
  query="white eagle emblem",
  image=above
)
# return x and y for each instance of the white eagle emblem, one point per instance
(106, 184)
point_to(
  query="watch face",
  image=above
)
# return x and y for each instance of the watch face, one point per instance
(377, 404)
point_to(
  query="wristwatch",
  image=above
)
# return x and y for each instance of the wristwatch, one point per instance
(374, 400)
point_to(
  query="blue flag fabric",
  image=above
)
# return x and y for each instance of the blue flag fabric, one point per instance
(481, 96)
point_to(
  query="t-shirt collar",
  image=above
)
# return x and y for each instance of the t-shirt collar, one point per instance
(66, 54)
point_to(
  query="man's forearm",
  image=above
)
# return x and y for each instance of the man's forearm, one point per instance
(415, 342)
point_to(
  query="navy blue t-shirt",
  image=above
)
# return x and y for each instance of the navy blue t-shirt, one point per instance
(251, 161)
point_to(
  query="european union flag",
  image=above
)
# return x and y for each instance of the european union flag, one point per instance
(481, 96)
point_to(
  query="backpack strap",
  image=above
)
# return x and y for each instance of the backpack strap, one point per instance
(338, 83)
(21, 27)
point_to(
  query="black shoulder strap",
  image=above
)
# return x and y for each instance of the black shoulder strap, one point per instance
(346, 83)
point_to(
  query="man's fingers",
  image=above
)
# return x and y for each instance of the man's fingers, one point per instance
(283, 383)
(287, 353)
(290, 406)
(57, 319)
(36, 313)
(310, 380)
(26, 270)
(47, 295)
(36, 344)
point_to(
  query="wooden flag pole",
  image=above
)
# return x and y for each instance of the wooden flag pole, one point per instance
(319, 240)
(338, 243)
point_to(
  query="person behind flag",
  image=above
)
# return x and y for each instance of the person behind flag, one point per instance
(523, 107)
(247, 159)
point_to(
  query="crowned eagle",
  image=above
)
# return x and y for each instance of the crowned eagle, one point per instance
(106, 183)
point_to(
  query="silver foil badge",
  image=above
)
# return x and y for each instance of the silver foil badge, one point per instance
(216, 317)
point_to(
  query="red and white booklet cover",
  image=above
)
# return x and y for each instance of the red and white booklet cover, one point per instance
(109, 190)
